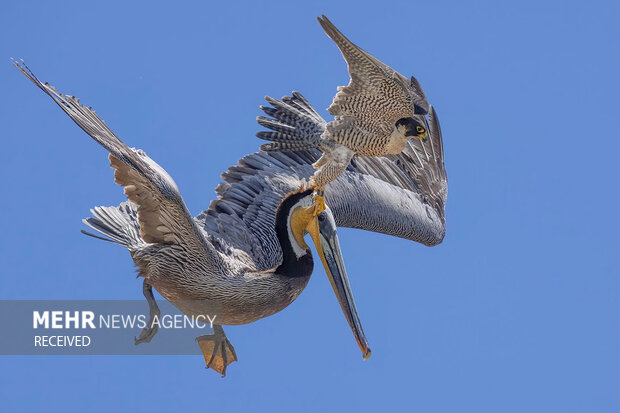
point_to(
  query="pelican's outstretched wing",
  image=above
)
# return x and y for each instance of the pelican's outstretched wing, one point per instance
(402, 195)
(244, 215)
(162, 215)
(376, 93)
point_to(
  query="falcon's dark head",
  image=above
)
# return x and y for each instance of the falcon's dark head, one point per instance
(412, 128)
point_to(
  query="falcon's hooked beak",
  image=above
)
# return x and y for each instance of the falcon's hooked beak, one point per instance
(322, 229)
(412, 128)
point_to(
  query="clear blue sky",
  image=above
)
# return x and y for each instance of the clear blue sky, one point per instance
(517, 310)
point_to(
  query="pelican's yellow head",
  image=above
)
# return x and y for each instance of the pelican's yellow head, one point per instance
(322, 230)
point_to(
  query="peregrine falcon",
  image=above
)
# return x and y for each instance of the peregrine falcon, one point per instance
(374, 115)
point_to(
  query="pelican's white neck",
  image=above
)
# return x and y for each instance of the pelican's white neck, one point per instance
(300, 248)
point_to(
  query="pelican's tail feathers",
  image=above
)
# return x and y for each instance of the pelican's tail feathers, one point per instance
(118, 224)
(294, 123)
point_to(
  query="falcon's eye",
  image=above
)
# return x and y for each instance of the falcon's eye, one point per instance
(420, 130)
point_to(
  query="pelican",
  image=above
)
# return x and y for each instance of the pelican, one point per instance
(245, 255)
(376, 114)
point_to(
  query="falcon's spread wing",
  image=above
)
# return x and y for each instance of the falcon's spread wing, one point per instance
(376, 96)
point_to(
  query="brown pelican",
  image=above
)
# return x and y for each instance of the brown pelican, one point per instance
(376, 114)
(245, 256)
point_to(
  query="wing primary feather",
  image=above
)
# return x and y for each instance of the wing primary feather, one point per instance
(161, 212)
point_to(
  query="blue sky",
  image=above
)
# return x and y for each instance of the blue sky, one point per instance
(516, 311)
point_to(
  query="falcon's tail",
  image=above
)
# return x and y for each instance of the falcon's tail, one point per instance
(119, 224)
(294, 124)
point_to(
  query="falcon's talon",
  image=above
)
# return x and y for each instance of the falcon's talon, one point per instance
(257, 202)
(319, 201)
(379, 113)
(319, 204)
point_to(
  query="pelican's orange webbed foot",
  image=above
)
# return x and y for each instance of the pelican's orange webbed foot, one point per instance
(217, 350)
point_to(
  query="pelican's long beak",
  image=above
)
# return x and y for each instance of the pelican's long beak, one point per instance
(322, 229)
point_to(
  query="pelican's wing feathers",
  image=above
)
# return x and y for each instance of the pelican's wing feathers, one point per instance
(243, 217)
(402, 195)
(162, 215)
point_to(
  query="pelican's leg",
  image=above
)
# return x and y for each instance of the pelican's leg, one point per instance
(328, 168)
(149, 332)
(217, 350)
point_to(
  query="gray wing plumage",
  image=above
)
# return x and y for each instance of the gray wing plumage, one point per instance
(243, 217)
(376, 96)
(385, 195)
(161, 213)
(402, 195)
